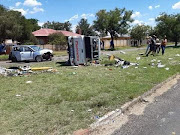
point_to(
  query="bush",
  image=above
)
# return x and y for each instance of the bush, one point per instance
(57, 39)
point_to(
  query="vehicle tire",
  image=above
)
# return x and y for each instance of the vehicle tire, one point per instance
(50, 57)
(13, 59)
(39, 58)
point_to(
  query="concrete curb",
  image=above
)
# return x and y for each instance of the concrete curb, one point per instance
(111, 115)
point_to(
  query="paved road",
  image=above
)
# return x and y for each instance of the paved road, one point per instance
(160, 118)
(9, 63)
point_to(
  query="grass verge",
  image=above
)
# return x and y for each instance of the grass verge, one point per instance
(4, 57)
(73, 98)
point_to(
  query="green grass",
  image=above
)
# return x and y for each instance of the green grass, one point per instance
(58, 103)
(60, 53)
(4, 57)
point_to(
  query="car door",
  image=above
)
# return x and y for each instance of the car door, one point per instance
(16, 53)
(26, 53)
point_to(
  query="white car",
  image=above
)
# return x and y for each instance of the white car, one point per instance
(29, 53)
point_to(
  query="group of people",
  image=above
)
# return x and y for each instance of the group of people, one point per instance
(154, 45)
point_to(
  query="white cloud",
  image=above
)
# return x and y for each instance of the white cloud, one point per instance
(40, 23)
(176, 5)
(74, 28)
(137, 22)
(73, 18)
(158, 6)
(136, 14)
(151, 19)
(23, 12)
(36, 10)
(18, 4)
(32, 3)
(85, 16)
(150, 7)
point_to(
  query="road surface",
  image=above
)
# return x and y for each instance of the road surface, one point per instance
(9, 63)
(162, 117)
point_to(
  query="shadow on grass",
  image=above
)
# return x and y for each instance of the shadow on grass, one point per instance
(63, 63)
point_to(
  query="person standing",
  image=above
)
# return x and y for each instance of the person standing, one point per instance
(148, 44)
(152, 46)
(163, 44)
(158, 45)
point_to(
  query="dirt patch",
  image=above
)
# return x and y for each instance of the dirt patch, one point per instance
(138, 109)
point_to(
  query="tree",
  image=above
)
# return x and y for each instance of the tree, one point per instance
(58, 26)
(139, 32)
(15, 26)
(34, 24)
(169, 25)
(113, 22)
(58, 39)
(85, 28)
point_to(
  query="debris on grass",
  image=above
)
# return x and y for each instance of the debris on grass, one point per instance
(178, 55)
(122, 52)
(167, 68)
(118, 62)
(72, 110)
(74, 73)
(160, 65)
(3, 71)
(138, 58)
(145, 67)
(89, 110)
(40, 68)
(28, 82)
(154, 60)
(125, 66)
(170, 58)
(18, 95)
(24, 70)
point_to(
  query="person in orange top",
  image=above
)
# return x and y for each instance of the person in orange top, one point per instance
(163, 44)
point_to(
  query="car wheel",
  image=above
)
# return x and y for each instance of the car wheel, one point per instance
(14, 59)
(39, 58)
(50, 57)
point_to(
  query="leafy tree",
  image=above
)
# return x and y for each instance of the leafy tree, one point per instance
(169, 25)
(58, 39)
(15, 26)
(113, 22)
(139, 32)
(85, 28)
(58, 26)
(34, 24)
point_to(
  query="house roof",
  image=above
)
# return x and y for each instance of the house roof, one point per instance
(43, 32)
(47, 32)
(68, 33)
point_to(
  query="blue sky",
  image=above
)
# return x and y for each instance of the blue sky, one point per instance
(144, 11)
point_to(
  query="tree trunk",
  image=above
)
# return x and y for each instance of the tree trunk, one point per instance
(112, 41)
(176, 43)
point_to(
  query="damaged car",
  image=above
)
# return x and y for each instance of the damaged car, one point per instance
(29, 53)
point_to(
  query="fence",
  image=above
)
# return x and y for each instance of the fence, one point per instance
(53, 47)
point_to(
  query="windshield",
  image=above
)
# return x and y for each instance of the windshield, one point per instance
(36, 48)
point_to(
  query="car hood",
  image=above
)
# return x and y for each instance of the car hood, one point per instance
(45, 51)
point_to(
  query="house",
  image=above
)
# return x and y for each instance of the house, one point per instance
(119, 41)
(42, 34)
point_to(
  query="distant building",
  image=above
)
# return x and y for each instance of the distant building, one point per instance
(42, 34)
(119, 41)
